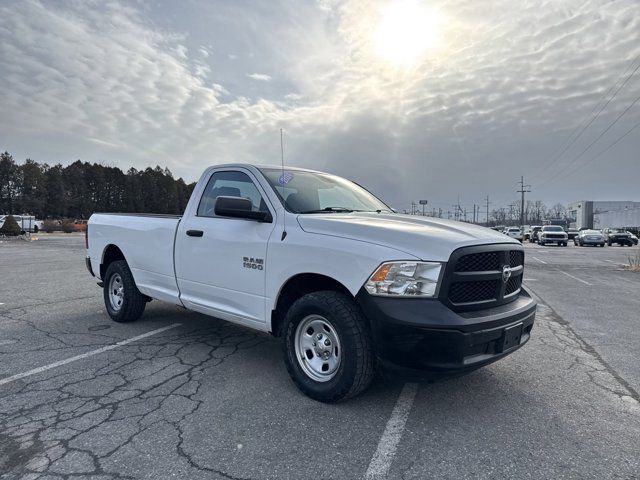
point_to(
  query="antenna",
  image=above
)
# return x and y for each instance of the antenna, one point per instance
(282, 181)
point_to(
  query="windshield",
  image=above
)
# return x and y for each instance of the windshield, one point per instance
(313, 192)
(553, 228)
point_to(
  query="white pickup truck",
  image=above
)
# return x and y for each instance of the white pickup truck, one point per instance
(348, 284)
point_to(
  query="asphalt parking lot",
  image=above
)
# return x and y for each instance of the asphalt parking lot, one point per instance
(187, 396)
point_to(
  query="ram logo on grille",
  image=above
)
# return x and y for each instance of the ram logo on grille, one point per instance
(506, 273)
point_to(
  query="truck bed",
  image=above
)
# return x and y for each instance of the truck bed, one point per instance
(147, 243)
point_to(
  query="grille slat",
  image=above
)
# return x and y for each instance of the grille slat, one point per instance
(468, 292)
(513, 285)
(479, 262)
(516, 258)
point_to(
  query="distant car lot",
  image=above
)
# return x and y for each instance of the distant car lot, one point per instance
(193, 397)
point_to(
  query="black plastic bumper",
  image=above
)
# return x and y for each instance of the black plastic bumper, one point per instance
(424, 334)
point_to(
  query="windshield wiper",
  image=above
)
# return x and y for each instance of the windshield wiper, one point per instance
(331, 209)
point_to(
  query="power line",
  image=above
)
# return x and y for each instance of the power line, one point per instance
(611, 145)
(566, 169)
(556, 157)
(614, 143)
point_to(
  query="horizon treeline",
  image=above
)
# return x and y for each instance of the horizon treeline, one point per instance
(81, 188)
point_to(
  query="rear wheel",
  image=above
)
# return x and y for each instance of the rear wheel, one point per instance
(123, 300)
(327, 346)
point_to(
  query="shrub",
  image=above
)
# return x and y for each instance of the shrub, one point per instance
(50, 226)
(67, 226)
(10, 227)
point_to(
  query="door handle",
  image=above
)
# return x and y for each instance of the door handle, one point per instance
(195, 233)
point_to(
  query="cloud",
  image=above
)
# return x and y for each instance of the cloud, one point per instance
(501, 93)
(262, 77)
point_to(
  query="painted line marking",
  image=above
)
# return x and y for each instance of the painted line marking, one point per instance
(4, 381)
(610, 261)
(575, 278)
(383, 457)
(536, 258)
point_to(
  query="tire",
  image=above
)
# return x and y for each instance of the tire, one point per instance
(131, 301)
(35, 229)
(336, 318)
(609, 243)
(564, 244)
(541, 243)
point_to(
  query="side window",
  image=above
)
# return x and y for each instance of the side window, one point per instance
(229, 184)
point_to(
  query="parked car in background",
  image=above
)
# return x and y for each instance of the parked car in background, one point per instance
(514, 232)
(572, 233)
(80, 225)
(617, 235)
(552, 234)
(27, 223)
(589, 237)
(634, 239)
(535, 230)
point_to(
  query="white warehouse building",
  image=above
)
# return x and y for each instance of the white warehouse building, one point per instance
(597, 214)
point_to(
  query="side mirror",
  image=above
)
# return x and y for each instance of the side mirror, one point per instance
(238, 207)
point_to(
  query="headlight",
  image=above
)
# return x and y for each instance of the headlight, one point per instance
(409, 279)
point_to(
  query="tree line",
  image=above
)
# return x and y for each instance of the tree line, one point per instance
(535, 213)
(81, 188)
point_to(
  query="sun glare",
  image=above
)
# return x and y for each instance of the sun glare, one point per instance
(406, 31)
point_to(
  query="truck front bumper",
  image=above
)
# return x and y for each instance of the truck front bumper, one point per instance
(424, 334)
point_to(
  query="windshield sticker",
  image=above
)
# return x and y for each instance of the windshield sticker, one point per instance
(285, 178)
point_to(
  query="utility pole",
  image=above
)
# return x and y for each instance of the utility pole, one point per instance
(487, 210)
(523, 190)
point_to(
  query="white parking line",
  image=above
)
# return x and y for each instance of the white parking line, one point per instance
(610, 261)
(18, 376)
(536, 258)
(576, 278)
(382, 459)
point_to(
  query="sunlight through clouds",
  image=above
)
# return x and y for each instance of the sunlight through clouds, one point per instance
(429, 88)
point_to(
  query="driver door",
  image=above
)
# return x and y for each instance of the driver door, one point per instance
(220, 261)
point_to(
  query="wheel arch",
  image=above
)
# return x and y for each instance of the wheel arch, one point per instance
(110, 254)
(297, 286)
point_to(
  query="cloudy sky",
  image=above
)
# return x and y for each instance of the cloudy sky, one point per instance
(414, 99)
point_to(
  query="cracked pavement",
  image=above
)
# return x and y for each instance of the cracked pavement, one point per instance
(212, 400)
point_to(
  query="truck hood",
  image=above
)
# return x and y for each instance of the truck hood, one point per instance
(423, 237)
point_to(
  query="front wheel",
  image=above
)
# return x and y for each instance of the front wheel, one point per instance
(327, 346)
(123, 300)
